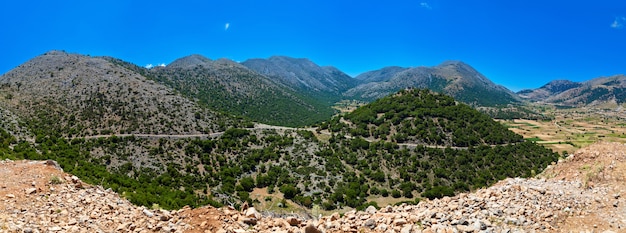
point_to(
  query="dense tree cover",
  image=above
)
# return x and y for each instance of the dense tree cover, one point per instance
(144, 187)
(420, 116)
(459, 149)
(6, 140)
(239, 91)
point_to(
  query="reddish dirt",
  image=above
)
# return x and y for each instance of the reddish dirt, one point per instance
(601, 165)
(17, 176)
(204, 219)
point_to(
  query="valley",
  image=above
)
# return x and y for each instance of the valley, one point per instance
(287, 136)
(572, 128)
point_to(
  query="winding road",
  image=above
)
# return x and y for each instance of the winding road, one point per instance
(257, 126)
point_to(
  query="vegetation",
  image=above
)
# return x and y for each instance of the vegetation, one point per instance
(419, 116)
(239, 91)
(412, 144)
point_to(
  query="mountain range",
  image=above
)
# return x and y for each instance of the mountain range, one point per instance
(304, 76)
(278, 90)
(593, 92)
(182, 135)
(454, 78)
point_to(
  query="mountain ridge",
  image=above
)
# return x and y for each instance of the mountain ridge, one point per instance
(593, 92)
(56, 87)
(304, 76)
(454, 78)
(311, 90)
(228, 86)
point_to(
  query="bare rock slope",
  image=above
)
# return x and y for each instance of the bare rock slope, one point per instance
(583, 193)
(72, 94)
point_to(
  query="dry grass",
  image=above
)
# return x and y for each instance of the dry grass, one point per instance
(572, 129)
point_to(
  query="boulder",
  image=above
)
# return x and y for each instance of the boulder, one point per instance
(311, 229)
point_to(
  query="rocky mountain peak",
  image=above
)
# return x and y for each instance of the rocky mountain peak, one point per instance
(598, 91)
(453, 63)
(558, 86)
(454, 78)
(302, 75)
(190, 61)
(291, 60)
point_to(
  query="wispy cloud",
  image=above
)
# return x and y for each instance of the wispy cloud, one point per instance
(150, 66)
(425, 5)
(619, 22)
(226, 26)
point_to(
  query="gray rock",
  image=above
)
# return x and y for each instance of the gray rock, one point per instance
(252, 213)
(30, 190)
(148, 213)
(407, 229)
(370, 223)
(53, 164)
(371, 210)
(479, 225)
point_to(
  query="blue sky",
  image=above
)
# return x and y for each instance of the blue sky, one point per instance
(518, 44)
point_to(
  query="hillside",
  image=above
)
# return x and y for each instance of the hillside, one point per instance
(421, 117)
(304, 76)
(550, 89)
(582, 193)
(382, 75)
(227, 86)
(334, 166)
(595, 92)
(453, 78)
(65, 94)
(39, 197)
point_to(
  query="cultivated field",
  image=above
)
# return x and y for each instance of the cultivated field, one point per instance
(574, 128)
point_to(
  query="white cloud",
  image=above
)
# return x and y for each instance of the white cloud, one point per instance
(619, 22)
(425, 5)
(150, 66)
(226, 26)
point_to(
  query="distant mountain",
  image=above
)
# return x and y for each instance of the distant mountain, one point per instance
(228, 86)
(597, 91)
(71, 94)
(382, 75)
(190, 62)
(304, 76)
(552, 88)
(454, 78)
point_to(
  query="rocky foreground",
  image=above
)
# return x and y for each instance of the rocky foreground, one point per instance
(583, 193)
